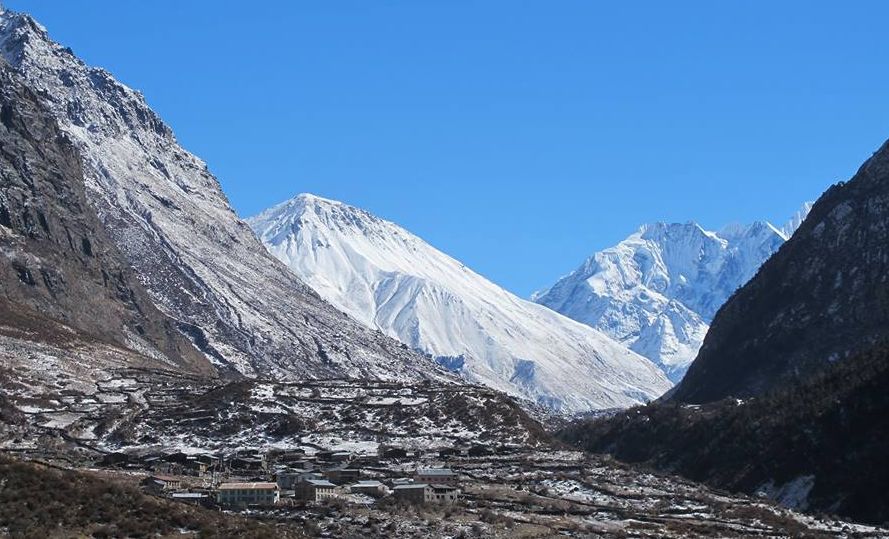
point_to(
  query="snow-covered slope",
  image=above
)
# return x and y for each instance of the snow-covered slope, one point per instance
(657, 291)
(201, 265)
(390, 279)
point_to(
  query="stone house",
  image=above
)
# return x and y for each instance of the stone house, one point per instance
(411, 493)
(316, 490)
(370, 488)
(159, 484)
(443, 494)
(289, 479)
(342, 475)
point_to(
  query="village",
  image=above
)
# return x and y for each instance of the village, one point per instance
(294, 477)
(467, 491)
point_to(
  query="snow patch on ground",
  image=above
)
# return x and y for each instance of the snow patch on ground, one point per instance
(793, 494)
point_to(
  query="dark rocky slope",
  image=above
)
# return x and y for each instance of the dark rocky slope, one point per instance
(821, 298)
(820, 445)
(804, 347)
(57, 264)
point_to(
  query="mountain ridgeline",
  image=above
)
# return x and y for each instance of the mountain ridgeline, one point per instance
(195, 287)
(787, 396)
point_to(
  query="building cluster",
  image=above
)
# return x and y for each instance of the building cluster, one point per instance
(249, 479)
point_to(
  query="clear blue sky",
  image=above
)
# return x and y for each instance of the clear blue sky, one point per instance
(516, 136)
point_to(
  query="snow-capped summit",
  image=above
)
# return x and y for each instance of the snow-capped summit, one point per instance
(393, 281)
(657, 291)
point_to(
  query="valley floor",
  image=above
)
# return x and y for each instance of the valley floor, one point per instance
(514, 481)
(537, 494)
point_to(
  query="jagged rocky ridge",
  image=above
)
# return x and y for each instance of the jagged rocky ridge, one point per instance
(201, 266)
(787, 396)
(657, 291)
(393, 281)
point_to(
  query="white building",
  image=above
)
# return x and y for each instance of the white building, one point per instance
(422, 493)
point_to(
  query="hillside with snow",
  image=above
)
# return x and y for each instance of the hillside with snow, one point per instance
(391, 280)
(199, 264)
(657, 291)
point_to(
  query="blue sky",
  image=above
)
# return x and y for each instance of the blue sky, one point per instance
(516, 136)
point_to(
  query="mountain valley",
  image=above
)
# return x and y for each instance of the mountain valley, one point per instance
(168, 369)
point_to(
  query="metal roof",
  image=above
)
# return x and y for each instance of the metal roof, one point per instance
(248, 486)
(320, 483)
(165, 478)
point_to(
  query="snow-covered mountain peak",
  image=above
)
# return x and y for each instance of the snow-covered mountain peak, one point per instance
(385, 245)
(393, 281)
(22, 35)
(292, 214)
(28, 47)
(657, 290)
(794, 223)
(311, 198)
(688, 233)
(300, 203)
(760, 228)
(23, 23)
